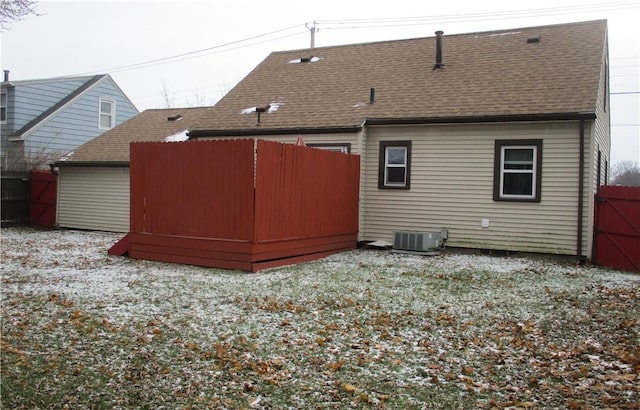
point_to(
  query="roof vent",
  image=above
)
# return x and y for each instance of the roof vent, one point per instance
(263, 108)
(533, 40)
(6, 76)
(176, 117)
(439, 63)
(311, 59)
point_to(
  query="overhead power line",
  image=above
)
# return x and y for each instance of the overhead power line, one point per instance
(195, 53)
(458, 18)
(375, 23)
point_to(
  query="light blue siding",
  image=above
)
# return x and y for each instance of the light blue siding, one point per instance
(78, 122)
(32, 98)
(62, 130)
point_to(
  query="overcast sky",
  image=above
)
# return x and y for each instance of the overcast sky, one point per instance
(190, 53)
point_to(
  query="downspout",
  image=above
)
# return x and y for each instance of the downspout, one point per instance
(362, 148)
(580, 258)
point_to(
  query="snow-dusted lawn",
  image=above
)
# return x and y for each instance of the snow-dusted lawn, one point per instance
(360, 329)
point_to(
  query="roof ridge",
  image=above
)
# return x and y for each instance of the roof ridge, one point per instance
(528, 28)
(52, 79)
(178, 108)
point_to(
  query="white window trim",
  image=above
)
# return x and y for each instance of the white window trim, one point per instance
(343, 148)
(112, 115)
(532, 171)
(387, 165)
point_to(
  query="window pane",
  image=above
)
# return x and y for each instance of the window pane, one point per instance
(518, 154)
(396, 176)
(105, 107)
(3, 107)
(518, 158)
(396, 155)
(334, 149)
(105, 121)
(517, 184)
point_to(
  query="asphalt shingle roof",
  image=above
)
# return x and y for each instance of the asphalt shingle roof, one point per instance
(485, 74)
(149, 125)
(496, 73)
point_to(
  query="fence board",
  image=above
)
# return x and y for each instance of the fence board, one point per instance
(240, 204)
(44, 195)
(197, 189)
(302, 192)
(15, 198)
(617, 227)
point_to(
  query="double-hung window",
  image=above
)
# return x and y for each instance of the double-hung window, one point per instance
(107, 114)
(395, 165)
(517, 170)
(3, 107)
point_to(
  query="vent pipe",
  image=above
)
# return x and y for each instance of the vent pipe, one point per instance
(372, 95)
(6, 76)
(439, 63)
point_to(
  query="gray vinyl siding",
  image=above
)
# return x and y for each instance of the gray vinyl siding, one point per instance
(598, 139)
(94, 198)
(78, 122)
(452, 187)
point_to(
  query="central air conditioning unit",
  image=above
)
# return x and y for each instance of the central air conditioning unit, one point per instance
(414, 241)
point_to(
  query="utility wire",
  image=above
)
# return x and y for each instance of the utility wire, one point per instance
(190, 53)
(174, 60)
(456, 18)
(386, 22)
(383, 22)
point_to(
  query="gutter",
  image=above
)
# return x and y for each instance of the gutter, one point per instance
(571, 116)
(273, 131)
(483, 118)
(93, 164)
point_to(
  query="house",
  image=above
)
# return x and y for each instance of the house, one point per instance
(93, 179)
(500, 137)
(43, 119)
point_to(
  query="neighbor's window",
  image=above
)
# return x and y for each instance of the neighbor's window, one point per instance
(517, 170)
(107, 114)
(3, 107)
(395, 165)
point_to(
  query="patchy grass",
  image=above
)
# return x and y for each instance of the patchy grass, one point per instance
(362, 329)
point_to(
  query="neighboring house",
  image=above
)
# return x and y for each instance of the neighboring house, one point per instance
(501, 137)
(93, 179)
(43, 119)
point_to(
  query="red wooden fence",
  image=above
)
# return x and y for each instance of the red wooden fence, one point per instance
(241, 204)
(43, 198)
(617, 228)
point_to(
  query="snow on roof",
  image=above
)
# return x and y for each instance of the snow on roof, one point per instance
(273, 107)
(178, 136)
(305, 60)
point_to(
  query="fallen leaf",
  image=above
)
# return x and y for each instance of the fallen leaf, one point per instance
(350, 388)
